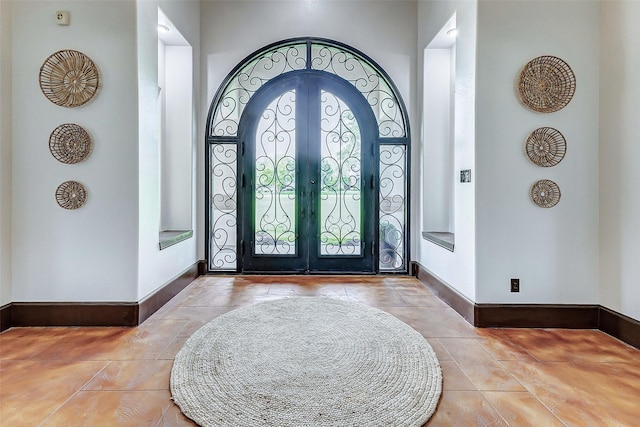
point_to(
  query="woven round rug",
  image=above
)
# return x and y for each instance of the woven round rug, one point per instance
(307, 361)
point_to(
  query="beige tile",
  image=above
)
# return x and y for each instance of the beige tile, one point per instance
(433, 322)
(584, 393)
(109, 408)
(174, 348)
(485, 372)
(501, 350)
(133, 375)
(319, 290)
(375, 296)
(465, 408)
(31, 390)
(453, 378)
(441, 353)
(201, 314)
(173, 417)
(521, 409)
(563, 345)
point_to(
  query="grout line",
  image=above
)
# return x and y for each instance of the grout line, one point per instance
(530, 390)
(175, 337)
(80, 389)
(453, 359)
(482, 393)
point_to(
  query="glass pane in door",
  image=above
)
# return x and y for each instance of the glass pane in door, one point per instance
(275, 179)
(340, 179)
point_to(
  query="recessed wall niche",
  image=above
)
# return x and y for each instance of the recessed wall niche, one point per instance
(439, 176)
(175, 104)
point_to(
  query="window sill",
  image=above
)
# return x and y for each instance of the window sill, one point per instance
(440, 238)
(171, 237)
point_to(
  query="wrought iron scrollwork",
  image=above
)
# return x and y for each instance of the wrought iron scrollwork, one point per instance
(275, 181)
(302, 56)
(322, 56)
(249, 79)
(223, 206)
(340, 179)
(368, 81)
(392, 206)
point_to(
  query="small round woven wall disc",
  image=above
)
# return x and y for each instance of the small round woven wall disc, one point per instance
(546, 147)
(71, 195)
(69, 78)
(69, 143)
(545, 193)
(546, 84)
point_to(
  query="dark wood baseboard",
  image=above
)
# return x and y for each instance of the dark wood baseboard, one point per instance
(96, 314)
(73, 314)
(5, 317)
(153, 302)
(533, 315)
(620, 326)
(536, 316)
(446, 293)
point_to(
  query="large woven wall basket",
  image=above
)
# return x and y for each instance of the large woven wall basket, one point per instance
(69, 78)
(546, 84)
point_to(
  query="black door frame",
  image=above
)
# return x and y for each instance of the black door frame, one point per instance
(308, 85)
(222, 189)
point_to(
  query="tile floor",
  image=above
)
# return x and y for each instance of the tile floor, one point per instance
(497, 377)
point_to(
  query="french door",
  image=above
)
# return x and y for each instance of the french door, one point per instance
(307, 175)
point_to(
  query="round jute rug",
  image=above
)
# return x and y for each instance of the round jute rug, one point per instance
(307, 361)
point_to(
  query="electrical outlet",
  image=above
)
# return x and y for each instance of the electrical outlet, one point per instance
(62, 17)
(515, 285)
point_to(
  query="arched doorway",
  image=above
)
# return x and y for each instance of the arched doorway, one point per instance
(307, 144)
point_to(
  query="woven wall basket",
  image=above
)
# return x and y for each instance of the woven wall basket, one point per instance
(71, 195)
(69, 78)
(545, 193)
(546, 84)
(546, 147)
(69, 143)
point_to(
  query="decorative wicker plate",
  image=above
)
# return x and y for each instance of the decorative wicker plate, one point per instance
(546, 84)
(69, 78)
(546, 147)
(71, 195)
(70, 143)
(545, 193)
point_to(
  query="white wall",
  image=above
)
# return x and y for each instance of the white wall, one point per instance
(620, 156)
(88, 254)
(553, 251)
(155, 267)
(5, 153)
(458, 268)
(108, 249)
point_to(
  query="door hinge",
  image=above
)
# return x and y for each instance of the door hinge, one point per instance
(242, 149)
(373, 248)
(242, 247)
(373, 182)
(242, 181)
